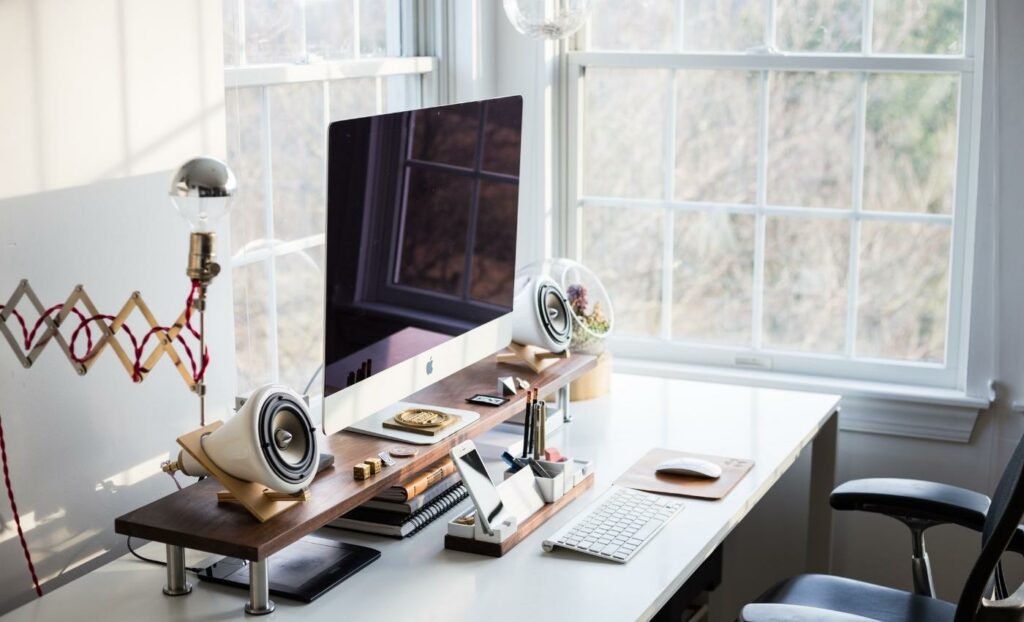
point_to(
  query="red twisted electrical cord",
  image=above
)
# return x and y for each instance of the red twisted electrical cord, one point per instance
(138, 346)
(29, 336)
(14, 510)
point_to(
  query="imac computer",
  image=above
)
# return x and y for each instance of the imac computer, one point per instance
(422, 210)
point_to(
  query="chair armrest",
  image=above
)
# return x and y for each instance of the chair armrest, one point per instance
(914, 499)
(926, 501)
(769, 612)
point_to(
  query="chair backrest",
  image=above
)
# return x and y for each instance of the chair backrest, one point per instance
(1004, 515)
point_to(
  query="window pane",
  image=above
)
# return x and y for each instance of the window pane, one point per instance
(810, 139)
(805, 272)
(354, 98)
(623, 133)
(232, 44)
(436, 212)
(373, 28)
(903, 291)
(245, 156)
(250, 284)
(300, 316)
(633, 25)
(273, 31)
(624, 248)
(494, 251)
(723, 25)
(918, 26)
(329, 28)
(448, 136)
(713, 277)
(818, 25)
(297, 159)
(716, 136)
(910, 143)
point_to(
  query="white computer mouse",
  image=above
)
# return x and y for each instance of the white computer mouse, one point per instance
(692, 467)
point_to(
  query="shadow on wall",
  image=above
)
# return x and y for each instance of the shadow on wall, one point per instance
(107, 89)
(101, 101)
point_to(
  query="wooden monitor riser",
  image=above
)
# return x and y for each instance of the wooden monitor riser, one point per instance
(193, 518)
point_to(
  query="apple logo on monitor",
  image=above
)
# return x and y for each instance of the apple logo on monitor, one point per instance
(430, 366)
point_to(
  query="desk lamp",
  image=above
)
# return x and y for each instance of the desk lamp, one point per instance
(201, 191)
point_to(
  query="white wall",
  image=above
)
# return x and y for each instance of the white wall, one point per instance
(100, 101)
(96, 89)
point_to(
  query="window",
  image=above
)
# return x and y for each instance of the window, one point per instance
(291, 68)
(779, 184)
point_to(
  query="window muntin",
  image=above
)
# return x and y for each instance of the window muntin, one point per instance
(795, 210)
(291, 68)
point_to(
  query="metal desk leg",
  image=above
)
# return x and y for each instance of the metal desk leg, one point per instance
(259, 589)
(176, 583)
(823, 480)
(563, 401)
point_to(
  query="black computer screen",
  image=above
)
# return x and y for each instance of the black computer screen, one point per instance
(421, 231)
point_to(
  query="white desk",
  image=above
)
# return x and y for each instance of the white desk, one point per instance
(418, 579)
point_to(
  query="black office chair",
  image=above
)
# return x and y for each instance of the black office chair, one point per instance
(919, 505)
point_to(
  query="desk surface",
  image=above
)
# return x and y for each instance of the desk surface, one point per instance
(417, 578)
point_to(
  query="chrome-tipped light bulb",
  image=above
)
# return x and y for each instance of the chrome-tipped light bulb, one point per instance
(201, 191)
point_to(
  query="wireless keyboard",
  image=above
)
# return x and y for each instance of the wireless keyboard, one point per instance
(616, 525)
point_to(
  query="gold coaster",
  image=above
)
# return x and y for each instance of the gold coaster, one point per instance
(422, 418)
(447, 421)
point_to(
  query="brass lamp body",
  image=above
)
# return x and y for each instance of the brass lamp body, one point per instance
(201, 256)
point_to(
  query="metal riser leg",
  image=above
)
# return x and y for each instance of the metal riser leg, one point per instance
(259, 589)
(176, 583)
(563, 401)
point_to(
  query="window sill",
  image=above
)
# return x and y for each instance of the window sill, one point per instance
(872, 407)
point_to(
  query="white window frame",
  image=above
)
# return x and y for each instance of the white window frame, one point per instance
(412, 36)
(952, 374)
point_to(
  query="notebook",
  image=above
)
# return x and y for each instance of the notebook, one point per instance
(420, 483)
(641, 476)
(416, 503)
(400, 525)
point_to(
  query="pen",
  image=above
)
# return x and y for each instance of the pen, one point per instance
(526, 428)
(538, 431)
(542, 419)
(533, 425)
(508, 459)
(538, 470)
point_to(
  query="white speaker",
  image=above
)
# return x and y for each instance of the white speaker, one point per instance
(271, 440)
(540, 314)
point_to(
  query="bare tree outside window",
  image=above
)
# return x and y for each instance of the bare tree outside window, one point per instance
(777, 177)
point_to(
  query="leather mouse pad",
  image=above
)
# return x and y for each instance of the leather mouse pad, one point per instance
(641, 476)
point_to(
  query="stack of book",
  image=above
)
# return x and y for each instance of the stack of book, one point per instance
(403, 510)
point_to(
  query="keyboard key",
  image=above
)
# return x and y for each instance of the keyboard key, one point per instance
(617, 525)
(648, 529)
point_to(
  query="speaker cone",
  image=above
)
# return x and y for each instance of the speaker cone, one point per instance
(554, 313)
(286, 436)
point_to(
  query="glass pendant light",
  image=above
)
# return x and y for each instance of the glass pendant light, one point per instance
(547, 19)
